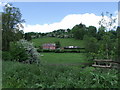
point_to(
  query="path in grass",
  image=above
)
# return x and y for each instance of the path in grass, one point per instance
(63, 58)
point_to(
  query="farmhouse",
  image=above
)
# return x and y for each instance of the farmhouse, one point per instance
(51, 46)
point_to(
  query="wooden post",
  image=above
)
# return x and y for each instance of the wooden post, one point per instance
(110, 64)
(95, 63)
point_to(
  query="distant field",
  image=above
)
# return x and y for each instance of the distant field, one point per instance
(63, 58)
(63, 41)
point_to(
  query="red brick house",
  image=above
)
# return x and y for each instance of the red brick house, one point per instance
(51, 46)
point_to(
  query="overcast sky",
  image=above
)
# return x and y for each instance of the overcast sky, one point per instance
(49, 16)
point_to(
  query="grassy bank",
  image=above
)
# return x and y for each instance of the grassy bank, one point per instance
(63, 41)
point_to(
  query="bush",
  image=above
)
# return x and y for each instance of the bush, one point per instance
(59, 51)
(22, 51)
(6, 56)
(31, 51)
(39, 50)
(46, 50)
(18, 52)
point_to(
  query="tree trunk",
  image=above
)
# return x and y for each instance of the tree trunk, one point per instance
(5, 42)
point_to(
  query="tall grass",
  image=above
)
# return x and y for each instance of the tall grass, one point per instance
(18, 75)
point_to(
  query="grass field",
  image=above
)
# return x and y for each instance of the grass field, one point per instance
(43, 75)
(18, 75)
(63, 58)
(63, 41)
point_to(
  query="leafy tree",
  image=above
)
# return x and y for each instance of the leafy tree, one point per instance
(92, 31)
(106, 46)
(11, 17)
(114, 50)
(113, 34)
(91, 46)
(118, 42)
(100, 33)
(0, 40)
(58, 45)
(107, 23)
(68, 30)
(79, 31)
(19, 34)
(28, 36)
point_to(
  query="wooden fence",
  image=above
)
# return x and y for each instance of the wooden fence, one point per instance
(105, 63)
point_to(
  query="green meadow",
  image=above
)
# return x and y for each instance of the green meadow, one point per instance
(63, 58)
(60, 75)
(63, 41)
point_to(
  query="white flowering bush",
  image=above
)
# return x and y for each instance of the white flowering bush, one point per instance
(21, 51)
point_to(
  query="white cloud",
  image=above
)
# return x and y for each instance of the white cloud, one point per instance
(67, 22)
(118, 18)
(2, 4)
(116, 12)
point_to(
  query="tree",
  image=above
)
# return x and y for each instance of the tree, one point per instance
(57, 44)
(0, 40)
(92, 31)
(91, 46)
(113, 34)
(118, 43)
(11, 17)
(100, 33)
(68, 30)
(107, 43)
(28, 36)
(107, 21)
(79, 31)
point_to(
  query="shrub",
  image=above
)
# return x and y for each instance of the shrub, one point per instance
(33, 55)
(57, 50)
(6, 56)
(22, 51)
(58, 45)
(39, 50)
(18, 52)
(46, 50)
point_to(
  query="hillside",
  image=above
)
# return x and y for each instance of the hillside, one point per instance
(63, 58)
(63, 41)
